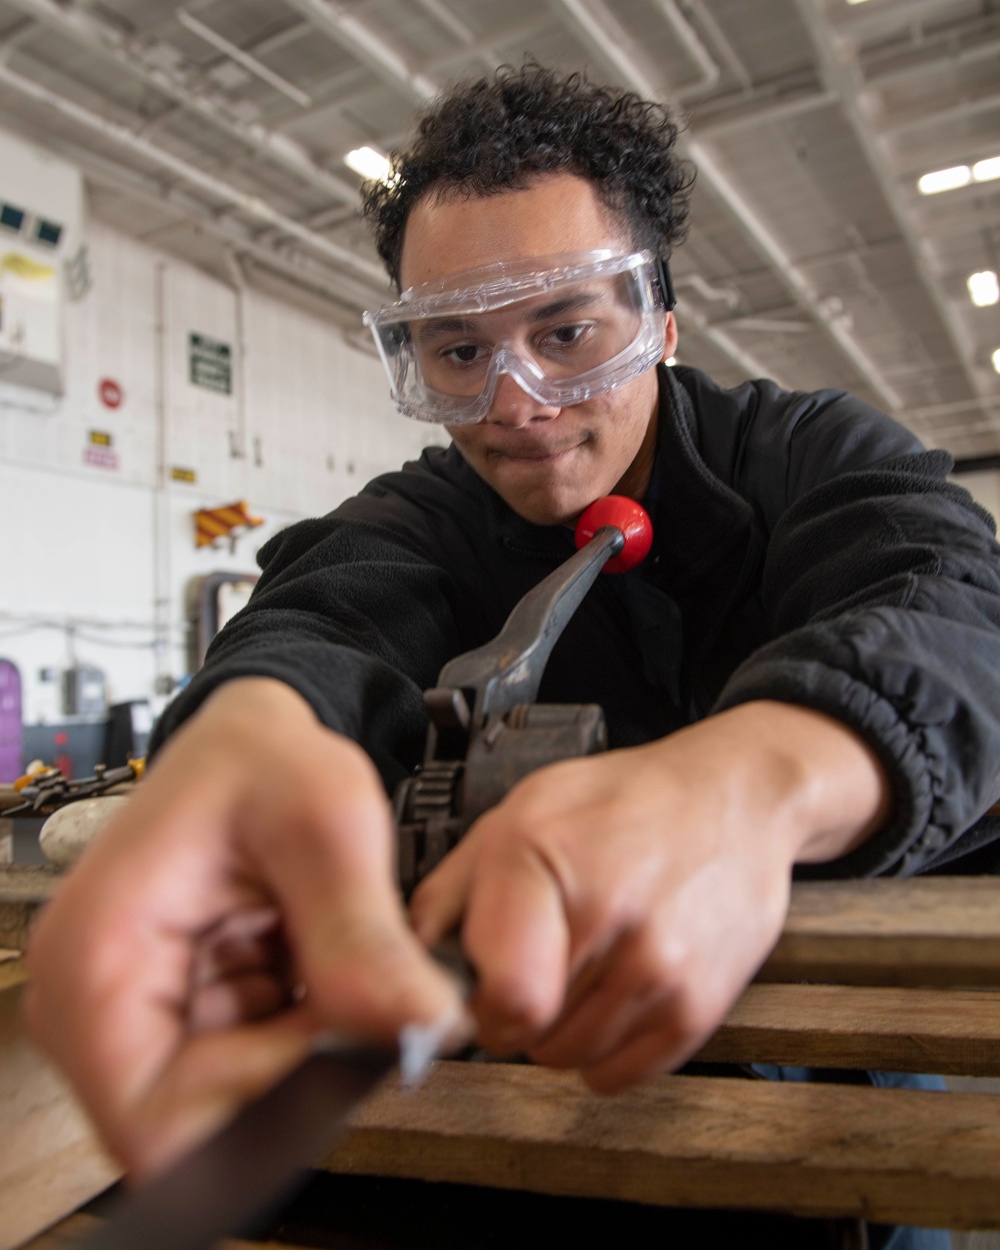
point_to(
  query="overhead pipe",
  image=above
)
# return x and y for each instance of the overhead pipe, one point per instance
(97, 35)
(244, 59)
(746, 114)
(749, 365)
(481, 47)
(693, 46)
(250, 205)
(918, 67)
(340, 24)
(351, 296)
(873, 21)
(920, 119)
(732, 197)
(960, 405)
(706, 290)
(603, 35)
(838, 77)
(793, 277)
(722, 44)
(454, 25)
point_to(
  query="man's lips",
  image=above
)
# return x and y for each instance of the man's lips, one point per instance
(532, 454)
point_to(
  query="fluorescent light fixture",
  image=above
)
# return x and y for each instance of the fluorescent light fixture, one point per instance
(984, 289)
(986, 171)
(855, 1)
(945, 180)
(996, 360)
(369, 164)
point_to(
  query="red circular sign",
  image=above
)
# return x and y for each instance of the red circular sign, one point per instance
(110, 392)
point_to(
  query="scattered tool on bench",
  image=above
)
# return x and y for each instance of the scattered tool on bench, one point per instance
(47, 789)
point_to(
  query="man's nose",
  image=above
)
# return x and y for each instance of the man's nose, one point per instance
(512, 405)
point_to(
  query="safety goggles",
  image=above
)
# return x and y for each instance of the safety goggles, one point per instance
(565, 328)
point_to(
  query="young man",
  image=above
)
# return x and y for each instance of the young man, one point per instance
(804, 671)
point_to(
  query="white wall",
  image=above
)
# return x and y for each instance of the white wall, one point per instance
(95, 560)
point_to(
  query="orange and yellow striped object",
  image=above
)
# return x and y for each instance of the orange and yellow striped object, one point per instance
(212, 524)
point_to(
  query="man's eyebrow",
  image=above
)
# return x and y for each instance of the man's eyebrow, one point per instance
(425, 331)
(438, 326)
(569, 304)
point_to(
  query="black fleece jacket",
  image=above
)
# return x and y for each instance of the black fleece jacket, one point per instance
(806, 549)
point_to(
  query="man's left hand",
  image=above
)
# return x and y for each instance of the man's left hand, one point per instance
(615, 906)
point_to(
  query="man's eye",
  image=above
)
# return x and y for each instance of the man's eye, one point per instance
(567, 335)
(463, 354)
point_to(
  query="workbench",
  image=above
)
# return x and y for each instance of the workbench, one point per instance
(894, 975)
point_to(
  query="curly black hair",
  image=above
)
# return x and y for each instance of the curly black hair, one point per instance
(491, 135)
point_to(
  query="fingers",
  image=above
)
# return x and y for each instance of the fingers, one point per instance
(203, 1086)
(162, 981)
(239, 998)
(362, 965)
(622, 1034)
(513, 929)
(517, 937)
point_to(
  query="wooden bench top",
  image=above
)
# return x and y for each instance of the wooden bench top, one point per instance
(893, 975)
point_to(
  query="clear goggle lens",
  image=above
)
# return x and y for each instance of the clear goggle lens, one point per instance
(565, 328)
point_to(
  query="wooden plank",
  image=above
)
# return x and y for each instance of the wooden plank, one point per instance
(813, 1150)
(23, 890)
(27, 883)
(918, 931)
(50, 1160)
(837, 1026)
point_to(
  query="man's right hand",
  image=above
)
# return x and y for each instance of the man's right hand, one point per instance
(242, 902)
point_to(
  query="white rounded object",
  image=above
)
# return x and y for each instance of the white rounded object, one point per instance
(68, 831)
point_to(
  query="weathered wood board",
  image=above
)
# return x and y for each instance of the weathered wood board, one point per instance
(811, 1150)
(23, 890)
(50, 1160)
(919, 931)
(818, 1150)
(842, 1026)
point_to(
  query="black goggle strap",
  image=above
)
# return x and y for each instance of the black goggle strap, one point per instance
(666, 284)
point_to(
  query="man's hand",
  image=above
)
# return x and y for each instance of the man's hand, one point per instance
(242, 902)
(616, 906)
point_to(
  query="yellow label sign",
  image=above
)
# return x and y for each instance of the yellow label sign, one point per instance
(183, 475)
(100, 438)
(24, 267)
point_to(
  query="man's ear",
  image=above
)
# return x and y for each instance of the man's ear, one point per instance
(670, 345)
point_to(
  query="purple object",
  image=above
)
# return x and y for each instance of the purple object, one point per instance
(11, 731)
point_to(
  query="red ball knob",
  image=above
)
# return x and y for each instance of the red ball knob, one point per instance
(625, 515)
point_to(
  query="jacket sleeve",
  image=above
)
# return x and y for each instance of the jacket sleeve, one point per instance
(882, 592)
(353, 617)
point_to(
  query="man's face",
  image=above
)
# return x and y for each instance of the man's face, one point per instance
(547, 463)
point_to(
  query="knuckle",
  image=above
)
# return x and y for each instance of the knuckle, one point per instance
(694, 1016)
(518, 1006)
(658, 964)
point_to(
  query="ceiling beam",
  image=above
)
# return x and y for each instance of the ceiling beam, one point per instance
(340, 24)
(87, 30)
(919, 63)
(190, 175)
(826, 316)
(844, 79)
(596, 34)
(349, 296)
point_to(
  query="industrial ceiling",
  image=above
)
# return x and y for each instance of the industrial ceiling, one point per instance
(218, 131)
